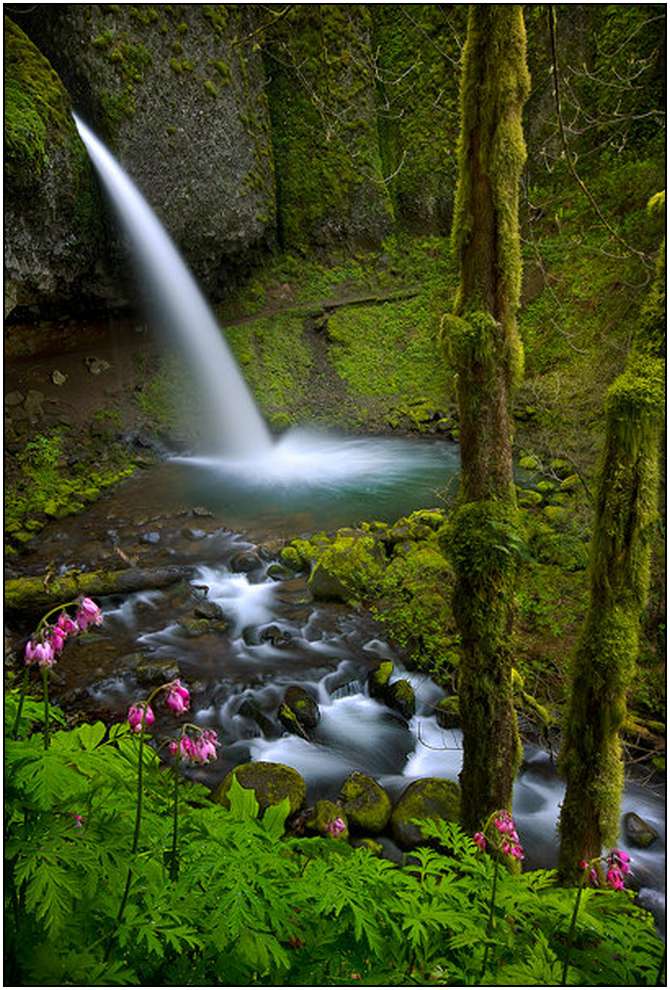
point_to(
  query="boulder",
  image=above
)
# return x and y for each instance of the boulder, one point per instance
(432, 797)
(365, 842)
(365, 803)
(400, 697)
(447, 713)
(277, 637)
(251, 709)
(154, 672)
(378, 679)
(637, 831)
(302, 707)
(245, 562)
(270, 782)
(349, 569)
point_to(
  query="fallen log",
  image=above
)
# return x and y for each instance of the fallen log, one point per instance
(32, 594)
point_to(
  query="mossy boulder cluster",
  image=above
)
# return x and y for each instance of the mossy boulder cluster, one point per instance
(399, 571)
(363, 808)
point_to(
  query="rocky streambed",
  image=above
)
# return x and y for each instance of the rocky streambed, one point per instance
(287, 680)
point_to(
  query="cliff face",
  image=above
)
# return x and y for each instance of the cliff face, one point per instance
(180, 100)
(52, 226)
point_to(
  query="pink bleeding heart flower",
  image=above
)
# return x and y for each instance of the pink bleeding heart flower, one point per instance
(44, 655)
(88, 614)
(78, 821)
(583, 864)
(57, 639)
(139, 713)
(336, 828)
(198, 751)
(615, 878)
(67, 625)
(619, 859)
(29, 652)
(173, 747)
(178, 698)
(479, 840)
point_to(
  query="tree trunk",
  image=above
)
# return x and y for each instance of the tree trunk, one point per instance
(604, 664)
(484, 348)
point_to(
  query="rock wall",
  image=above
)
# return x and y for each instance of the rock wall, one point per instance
(180, 99)
(321, 85)
(52, 226)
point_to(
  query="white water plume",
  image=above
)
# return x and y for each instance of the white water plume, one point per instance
(234, 425)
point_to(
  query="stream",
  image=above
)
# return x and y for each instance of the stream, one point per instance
(239, 637)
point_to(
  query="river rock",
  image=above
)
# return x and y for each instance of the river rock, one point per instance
(432, 797)
(400, 696)
(154, 672)
(279, 638)
(366, 803)
(279, 573)
(303, 706)
(270, 782)
(208, 610)
(365, 842)
(245, 561)
(96, 366)
(57, 377)
(189, 533)
(151, 537)
(251, 709)
(378, 679)
(447, 713)
(637, 831)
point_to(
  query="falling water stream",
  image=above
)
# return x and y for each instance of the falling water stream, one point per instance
(274, 634)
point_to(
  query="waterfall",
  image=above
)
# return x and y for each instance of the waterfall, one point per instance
(234, 427)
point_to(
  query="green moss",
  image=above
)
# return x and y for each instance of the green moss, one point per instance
(210, 87)
(350, 568)
(270, 782)
(365, 803)
(223, 69)
(276, 362)
(37, 108)
(329, 181)
(430, 798)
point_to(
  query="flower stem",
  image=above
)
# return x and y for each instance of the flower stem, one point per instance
(45, 688)
(58, 608)
(136, 839)
(571, 934)
(174, 858)
(22, 698)
(489, 923)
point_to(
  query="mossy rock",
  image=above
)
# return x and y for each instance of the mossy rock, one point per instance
(280, 572)
(291, 722)
(303, 706)
(154, 672)
(270, 782)
(432, 797)
(378, 679)
(366, 803)
(529, 499)
(570, 483)
(321, 816)
(529, 462)
(637, 831)
(448, 713)
(349, 569)
(546, 487)
(365, 842)
(400, 697)
(560, 467)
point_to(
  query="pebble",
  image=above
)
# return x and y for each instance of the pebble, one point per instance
(193, 534)
(58, 378)
(151, 537)
(200, 510)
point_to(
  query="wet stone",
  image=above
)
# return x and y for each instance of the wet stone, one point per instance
(202, 512)
(208, 610)
(193, 534)
(245, 561)
(276, 636)
(155, 672)
(151, 537)
(637, 831)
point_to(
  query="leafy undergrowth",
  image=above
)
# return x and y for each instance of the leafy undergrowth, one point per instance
(254, 906)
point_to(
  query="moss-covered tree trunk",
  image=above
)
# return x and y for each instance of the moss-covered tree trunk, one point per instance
(606, 654)
(484, 348)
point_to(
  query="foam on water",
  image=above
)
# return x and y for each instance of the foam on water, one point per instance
(327, 461)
